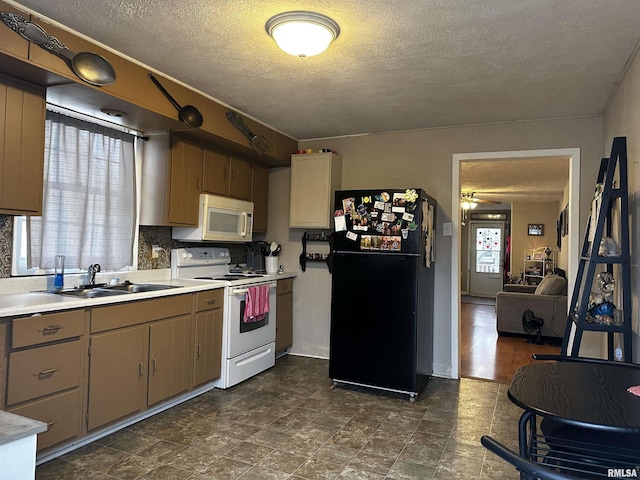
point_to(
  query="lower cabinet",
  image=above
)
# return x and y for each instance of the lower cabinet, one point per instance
(45, 373)
(83, 370)
(207, 362)
(169, 358)
(284, 310)
(117, 374)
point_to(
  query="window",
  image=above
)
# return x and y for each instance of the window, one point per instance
(89, 204)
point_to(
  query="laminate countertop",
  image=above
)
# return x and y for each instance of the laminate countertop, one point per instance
(14, 427)
(40, 301)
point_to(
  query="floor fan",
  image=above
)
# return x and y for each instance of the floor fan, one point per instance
(531, 324)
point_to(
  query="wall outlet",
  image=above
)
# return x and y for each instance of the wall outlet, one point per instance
(155, 251)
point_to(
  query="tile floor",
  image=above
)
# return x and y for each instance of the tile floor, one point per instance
(287, 423)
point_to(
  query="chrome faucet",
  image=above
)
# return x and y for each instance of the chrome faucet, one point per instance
(93, 269)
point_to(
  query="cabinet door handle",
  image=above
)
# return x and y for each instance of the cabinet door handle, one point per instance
(45, 373)
(154, 366)
(50, 329)
(198, 350)
(140, 369)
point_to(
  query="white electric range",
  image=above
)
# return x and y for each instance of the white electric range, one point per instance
(247, 348)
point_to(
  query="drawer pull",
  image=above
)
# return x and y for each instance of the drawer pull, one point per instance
(45, 373)
(50, 329)
(50, 424)
(210, 301)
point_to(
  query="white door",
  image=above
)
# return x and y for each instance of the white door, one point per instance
(486, 257)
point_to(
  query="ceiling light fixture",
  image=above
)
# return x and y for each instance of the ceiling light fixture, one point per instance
(302, 34)
(467, 201)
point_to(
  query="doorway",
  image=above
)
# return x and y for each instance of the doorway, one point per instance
(486, 258)
(573, 154)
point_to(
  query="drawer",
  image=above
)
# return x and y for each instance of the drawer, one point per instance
(51, 327)
(209, 299)
(284, 286)
(43, 370)
(128, 314)
(62, 413)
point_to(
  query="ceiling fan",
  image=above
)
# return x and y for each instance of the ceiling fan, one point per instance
(468, 201)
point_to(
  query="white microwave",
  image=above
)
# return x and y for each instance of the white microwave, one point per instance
(221, 219)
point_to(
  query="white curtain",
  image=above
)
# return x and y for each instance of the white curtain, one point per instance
(88, 211)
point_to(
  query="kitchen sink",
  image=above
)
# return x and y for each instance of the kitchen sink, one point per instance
(138, 287)
(90, 291)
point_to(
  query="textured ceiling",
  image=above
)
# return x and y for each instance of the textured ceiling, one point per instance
(397, 65)
(541, 179)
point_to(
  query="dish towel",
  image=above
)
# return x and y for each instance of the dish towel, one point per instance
(257, 303)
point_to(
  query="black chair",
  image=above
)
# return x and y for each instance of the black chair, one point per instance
(528, 470)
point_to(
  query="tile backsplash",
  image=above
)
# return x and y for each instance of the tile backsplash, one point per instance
(6, 245)
(148, 236)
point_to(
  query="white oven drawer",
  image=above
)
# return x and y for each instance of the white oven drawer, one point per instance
(249, 364)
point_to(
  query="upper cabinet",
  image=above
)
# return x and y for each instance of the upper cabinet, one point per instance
(240, 178)
(175, 170)
(226, 175)
(21, 147)
(215, 172)
(314, 179)
(185, 181)
(171, 180)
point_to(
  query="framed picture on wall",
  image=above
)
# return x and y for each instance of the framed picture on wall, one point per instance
(536, 229)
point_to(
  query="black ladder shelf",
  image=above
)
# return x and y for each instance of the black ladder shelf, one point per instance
(591, 259)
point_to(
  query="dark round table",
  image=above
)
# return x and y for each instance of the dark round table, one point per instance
(583, 394)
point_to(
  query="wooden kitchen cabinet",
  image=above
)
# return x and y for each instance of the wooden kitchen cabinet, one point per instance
(117, 374)
(207, 362)
(185, 181)
(260, 197)
(139, 355)
(215, 172)
(45, 373)
(171, 180)
(284, 314)
(169, 358)
(240, 178)
(314, 179)
(22, 118)
(226, 175)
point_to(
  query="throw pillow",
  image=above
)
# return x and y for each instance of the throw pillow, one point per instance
(551, 285)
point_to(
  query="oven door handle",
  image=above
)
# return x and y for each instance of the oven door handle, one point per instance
(243, 291)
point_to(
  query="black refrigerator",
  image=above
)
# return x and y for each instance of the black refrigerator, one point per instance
(382, 262)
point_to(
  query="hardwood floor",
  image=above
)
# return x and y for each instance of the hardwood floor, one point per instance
(484, 354)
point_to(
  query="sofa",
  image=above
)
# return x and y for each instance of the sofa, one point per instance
(548, 301)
